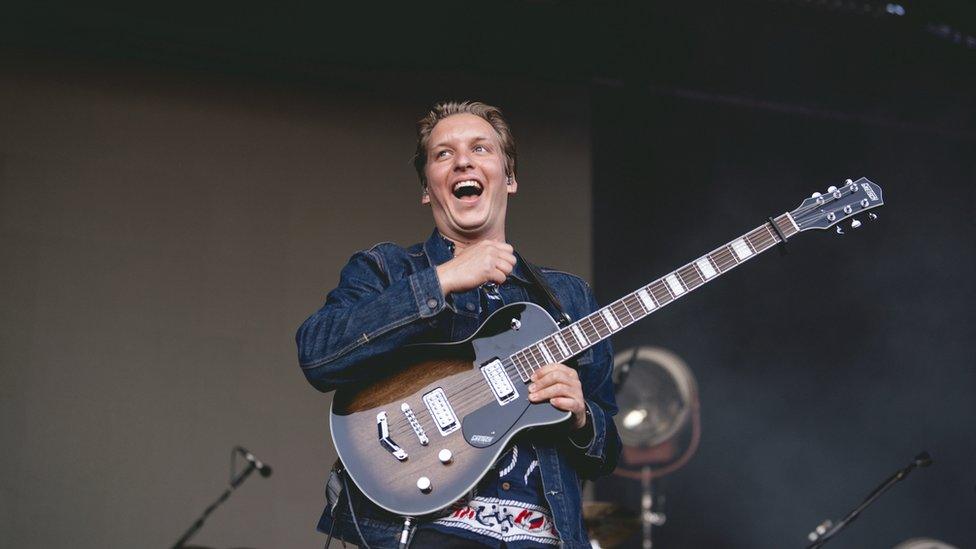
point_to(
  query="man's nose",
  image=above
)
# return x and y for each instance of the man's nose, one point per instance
(462, 161)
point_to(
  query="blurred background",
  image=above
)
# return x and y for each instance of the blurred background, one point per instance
(180, 184)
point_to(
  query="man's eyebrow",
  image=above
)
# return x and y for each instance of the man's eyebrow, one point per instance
(477, 139)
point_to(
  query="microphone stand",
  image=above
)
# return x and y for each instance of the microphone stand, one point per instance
(827, 530)
(234, 483)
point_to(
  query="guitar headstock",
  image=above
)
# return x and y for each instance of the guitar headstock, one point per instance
(823, 211)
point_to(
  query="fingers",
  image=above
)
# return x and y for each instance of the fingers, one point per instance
(498, 276)
(508, 260)
(557, 383)
(553, 391)
(486, 261)
(567, 404)
(550, 373)
(501, 254)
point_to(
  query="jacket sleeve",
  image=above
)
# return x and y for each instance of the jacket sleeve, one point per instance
(596, 447)
(367, 315)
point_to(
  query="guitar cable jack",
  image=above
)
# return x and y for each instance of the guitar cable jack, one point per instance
(405, 535)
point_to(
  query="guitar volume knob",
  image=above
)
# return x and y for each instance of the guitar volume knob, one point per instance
(423, 484)
(445, 456)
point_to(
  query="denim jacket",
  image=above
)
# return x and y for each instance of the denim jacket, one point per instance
(388, 297)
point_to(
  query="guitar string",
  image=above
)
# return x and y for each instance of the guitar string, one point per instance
(760, 240)
(722, 258)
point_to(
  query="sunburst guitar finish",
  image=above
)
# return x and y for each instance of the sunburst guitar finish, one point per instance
(421, 438)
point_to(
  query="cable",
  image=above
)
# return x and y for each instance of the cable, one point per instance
(352, 512)
(328, 540)
(336, 508)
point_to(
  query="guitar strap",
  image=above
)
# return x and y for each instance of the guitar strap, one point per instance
(536, 275)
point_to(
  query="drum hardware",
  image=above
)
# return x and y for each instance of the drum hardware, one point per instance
(658, 422)
(609, 524)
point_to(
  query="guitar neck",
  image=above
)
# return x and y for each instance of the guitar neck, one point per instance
(601, 324)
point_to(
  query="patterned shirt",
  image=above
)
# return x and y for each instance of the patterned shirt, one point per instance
(508, 505)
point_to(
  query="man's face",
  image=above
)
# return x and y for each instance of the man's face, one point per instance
(466, 182)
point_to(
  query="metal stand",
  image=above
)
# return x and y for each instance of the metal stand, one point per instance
(234, 483)
(827, 529)
(649, 518)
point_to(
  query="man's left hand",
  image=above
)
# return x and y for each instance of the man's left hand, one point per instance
(560, 385)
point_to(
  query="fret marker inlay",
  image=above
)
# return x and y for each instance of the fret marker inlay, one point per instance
(545, 353)
(611, 321)
(705, 266)
(676, 287)
(646, 300)
(741, 249)
(562, 345)
(580, 338)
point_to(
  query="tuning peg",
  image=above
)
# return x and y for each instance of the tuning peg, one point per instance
(839, 230)
(814, 195)
(872, 216)
(831, 189)
(855, 224)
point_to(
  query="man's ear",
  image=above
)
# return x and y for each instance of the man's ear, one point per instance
(511, 184)
(425, 197)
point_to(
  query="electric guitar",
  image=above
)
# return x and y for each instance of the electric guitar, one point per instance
(419, 439)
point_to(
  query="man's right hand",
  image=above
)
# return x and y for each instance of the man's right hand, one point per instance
(486, 261)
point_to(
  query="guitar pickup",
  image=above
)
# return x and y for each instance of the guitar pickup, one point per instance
(383, 430)
(501, 385)
(441, 411)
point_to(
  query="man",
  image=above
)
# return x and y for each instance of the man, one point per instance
(442, 290)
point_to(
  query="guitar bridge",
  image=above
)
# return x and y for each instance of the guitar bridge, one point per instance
(383, 430)
(418, 429)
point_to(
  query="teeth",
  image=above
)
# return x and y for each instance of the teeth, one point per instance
(468, 183)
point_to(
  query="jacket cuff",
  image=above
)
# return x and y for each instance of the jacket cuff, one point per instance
(427, 292)
(597, 431)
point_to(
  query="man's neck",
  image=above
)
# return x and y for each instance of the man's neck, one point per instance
(460, 244)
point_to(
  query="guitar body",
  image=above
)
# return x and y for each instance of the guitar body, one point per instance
(486, 414)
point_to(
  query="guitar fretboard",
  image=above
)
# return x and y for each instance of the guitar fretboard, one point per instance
(601, 324)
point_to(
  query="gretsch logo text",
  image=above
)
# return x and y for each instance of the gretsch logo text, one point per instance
(870, 192)
(481, 439)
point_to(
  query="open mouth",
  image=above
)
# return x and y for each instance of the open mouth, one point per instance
(467, 188)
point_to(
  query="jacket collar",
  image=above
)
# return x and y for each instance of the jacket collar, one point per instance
(440, 250)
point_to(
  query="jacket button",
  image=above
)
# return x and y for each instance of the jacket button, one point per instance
(506, 486)
(432, 303)
(470, 306)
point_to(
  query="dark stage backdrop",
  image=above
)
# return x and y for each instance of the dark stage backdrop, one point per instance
(820, 372)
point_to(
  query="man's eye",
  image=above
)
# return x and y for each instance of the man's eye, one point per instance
(441, 154)
(480, 148)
